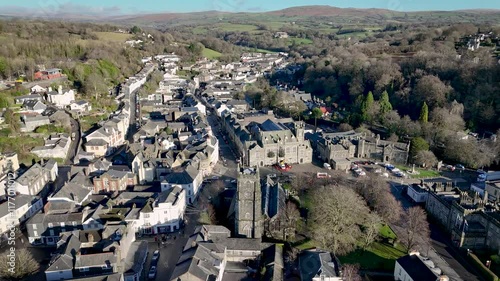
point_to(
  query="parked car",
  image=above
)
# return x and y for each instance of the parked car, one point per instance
(460, 167)
(155, 257)
(152, 272)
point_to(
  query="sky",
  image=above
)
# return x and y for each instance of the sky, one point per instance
(120, 7)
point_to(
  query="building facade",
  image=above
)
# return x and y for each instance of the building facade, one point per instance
(249, 219)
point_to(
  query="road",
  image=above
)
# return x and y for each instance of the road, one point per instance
(75, 142)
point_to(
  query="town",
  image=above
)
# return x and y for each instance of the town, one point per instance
(233, 169)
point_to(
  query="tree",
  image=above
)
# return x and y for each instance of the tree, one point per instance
(417, 144)
(366, 107)
(344, 127)
(432, 90)
(426, 158)
(135, 29)
(336, 217)
(385, 104)
(12, 120)
(424, 113)
(25, 265)
(350, 272)
(4, 102)
(316, 113)
(414, 229)
(371, 229)
(95, 84)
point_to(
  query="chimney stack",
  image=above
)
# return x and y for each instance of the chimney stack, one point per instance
(50, 89)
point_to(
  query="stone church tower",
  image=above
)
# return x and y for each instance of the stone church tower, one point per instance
(249, 220)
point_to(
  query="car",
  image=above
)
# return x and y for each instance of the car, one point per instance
(460, 167)
(155, 257)
(152, 272)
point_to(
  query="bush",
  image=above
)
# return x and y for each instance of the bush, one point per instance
(486, 272)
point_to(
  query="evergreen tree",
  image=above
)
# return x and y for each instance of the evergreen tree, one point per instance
(366, 106)
(424, 113)
(385, 104)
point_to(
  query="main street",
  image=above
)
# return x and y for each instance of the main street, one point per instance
(76, 140)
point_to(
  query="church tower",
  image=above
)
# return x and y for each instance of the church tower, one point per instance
(299, 128)
(249, 221)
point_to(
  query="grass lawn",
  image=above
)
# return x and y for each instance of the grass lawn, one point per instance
(378, 256)
(113, 36)
(232, 27)
(211, 54)
(422, 173)
(306, 245)
(299, 41)
(386, 232)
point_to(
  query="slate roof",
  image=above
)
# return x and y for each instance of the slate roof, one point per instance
(312, 263)
(94, 260)
(73, 192)
(20, 201)
(416, 268)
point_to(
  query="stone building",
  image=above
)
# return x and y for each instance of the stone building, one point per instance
(249, 220)
(263, 140)
(335, 148)
(470, 219)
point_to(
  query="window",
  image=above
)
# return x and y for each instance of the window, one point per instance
(34, 227)
(74, 223)
(35, 233)
(165, 212)
(146, 216)
(51, 233)
(62, 224)
(83, 269)
(50, 225)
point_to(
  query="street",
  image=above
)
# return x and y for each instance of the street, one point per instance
(75, 141)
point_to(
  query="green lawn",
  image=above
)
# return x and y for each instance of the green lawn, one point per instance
(299, 41)
(378, 256)
(422, 173)
(113, 36)
(211, 54)
(309, 244)
(386, 232)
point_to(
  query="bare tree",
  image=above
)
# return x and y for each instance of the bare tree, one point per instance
(336, 218)
(371, 229)
(426, 158)
(24, 265)
(350, 272)
(414, 229)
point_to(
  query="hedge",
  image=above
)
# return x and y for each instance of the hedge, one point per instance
(486, 272)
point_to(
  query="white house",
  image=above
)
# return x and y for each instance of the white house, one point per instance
(36, 178)
(56, 146)
(21, 208)
(61, 98)
(190, 180)
(417, 193)
(80, 106)
(144, 169)
(165, 214)
(37, 89)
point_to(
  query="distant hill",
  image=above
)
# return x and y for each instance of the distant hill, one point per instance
(311, 13)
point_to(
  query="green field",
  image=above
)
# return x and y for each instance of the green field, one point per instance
(232, 27)
(113, 36)
(211, 54)
(299, 41)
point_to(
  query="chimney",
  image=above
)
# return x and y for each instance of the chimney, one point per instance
(50, 89)
(90, 238)
(443, 278)
(60, 89)
(414, 253)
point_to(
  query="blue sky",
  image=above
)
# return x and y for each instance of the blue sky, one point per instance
(113, 7)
